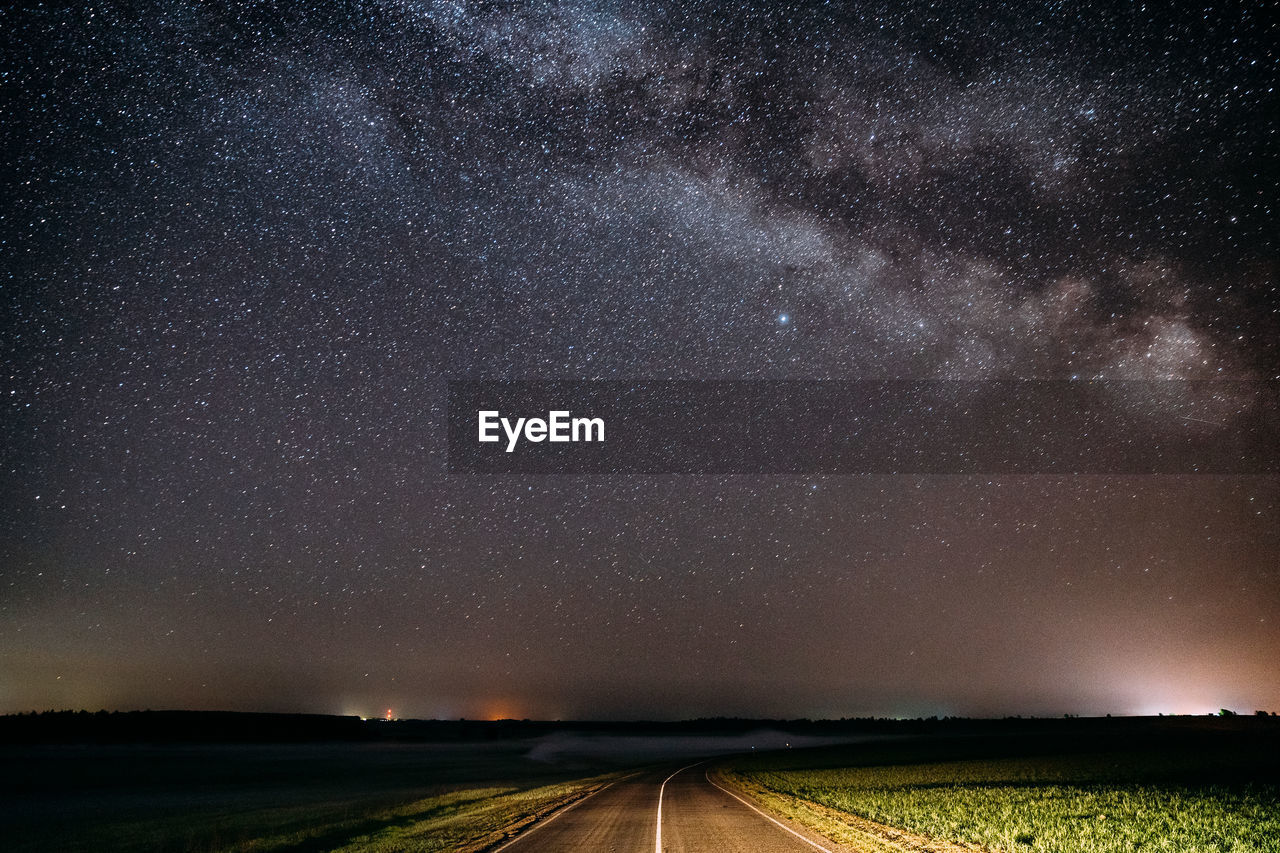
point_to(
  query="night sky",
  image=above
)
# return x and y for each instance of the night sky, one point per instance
(245, 245)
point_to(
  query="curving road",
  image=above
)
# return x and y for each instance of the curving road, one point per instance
(666, 811)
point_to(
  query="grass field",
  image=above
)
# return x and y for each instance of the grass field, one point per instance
(278, 799)
(1203, 796)
(468, 819)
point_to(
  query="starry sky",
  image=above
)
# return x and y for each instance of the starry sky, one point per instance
(245, 245)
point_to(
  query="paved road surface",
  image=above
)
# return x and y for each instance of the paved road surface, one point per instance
(696, 817)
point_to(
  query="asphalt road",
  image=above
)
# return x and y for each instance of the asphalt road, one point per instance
(666, 812)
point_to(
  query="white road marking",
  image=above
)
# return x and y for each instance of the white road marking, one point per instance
(522, 836)
(812, 844)
(657, 846)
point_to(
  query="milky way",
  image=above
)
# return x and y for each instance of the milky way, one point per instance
(246, 244)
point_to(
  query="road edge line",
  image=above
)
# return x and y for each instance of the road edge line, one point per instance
(815, 845)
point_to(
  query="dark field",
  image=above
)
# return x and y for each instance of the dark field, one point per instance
(223, 796)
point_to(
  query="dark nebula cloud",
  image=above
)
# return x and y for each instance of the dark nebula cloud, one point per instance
(246, 244)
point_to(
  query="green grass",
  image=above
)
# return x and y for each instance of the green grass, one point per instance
(1208, 801)
(467, 818)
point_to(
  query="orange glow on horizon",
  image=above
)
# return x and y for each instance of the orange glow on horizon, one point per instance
(500, 709)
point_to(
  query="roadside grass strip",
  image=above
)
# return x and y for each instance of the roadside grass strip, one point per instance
(464, 821)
